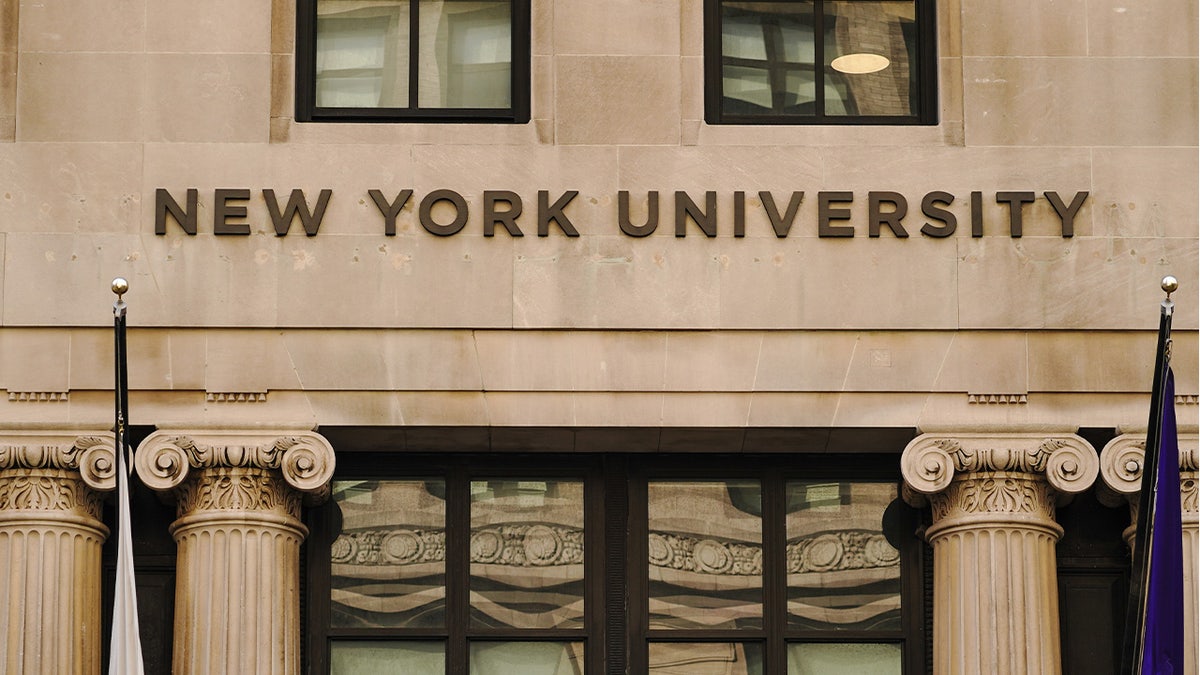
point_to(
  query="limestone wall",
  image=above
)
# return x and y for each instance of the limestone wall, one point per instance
(101, 104)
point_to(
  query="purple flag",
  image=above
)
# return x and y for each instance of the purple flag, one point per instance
(1162, 651)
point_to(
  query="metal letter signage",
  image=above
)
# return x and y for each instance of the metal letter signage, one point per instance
(836, 213)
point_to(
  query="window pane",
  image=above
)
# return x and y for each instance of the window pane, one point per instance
(881, 36)
(763, 47)
(388, 562)
(747, 90)
(841, 571)
(705, 554)
(362, 54)
(526, 658)
(527, 554)
(848, 659)
(465, 54)
(711, 658)
(378, 658)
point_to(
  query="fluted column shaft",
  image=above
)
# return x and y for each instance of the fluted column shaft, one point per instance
(993, 501)
(1121, 468)
(238, 532)
(50, 540)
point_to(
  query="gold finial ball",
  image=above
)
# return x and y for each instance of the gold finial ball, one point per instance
(1170, 284)
(120, 286)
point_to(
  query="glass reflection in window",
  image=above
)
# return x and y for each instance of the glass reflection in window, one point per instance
(383, 658)
(526, 553)
(842, 574)
(769, 58)
(463, 53)
(388, 562)
(706, 658)
(844, 659)
(705, 554)
(526, 658)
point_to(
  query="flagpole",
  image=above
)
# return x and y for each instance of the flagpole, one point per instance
(1135, 610)
(125, 654)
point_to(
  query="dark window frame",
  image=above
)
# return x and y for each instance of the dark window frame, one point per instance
(306, 78)
(616, 581)
(925, 71)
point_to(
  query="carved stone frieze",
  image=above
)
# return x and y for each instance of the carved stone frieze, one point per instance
(304, 459)
(92, 455)
(389, 547)
(527, 545)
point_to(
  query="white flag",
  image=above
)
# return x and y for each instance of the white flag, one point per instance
(125, 657)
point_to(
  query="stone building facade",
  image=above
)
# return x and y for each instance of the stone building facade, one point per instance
(611, 378)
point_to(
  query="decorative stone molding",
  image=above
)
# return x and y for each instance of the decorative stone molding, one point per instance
(238, 497)
(304, 459)
(51, 486)
(1121, 464)
(993, 498)
(1020, 399)
(1121, 468)
(235, 396)
(39, 396)
(57, 472)
(930, 462)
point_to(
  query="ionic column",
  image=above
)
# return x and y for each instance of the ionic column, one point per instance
(995, 589)
(50, 539)
(238, 532)
(1121, 469)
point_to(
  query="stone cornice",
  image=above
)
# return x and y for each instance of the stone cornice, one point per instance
(931, 461)
(304, 458)
(92, 454)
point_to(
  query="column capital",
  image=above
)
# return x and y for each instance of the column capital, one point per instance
(1121, 463)
(305, 459)
(931, 461)
(91, 453)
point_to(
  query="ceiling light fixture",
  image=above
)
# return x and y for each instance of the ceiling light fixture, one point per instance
(860, 64)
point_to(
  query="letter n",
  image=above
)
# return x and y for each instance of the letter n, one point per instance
(164, 203)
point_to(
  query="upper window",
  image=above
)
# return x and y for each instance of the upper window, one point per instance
(820, 62)
(573, 565)
(420, 60)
